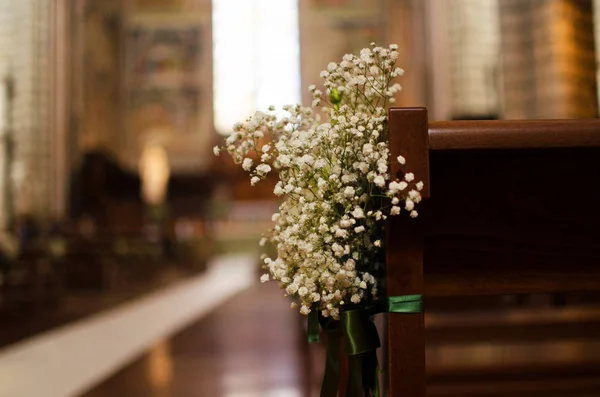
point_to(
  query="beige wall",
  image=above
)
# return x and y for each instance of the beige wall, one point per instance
(100, 74)
(103, 89)
(188, 150)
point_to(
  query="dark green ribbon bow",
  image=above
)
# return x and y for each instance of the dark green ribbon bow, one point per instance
(361, 341)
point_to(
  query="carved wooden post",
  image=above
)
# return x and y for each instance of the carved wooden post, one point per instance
(404, 266)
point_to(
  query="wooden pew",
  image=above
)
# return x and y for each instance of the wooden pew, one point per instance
(510, 207)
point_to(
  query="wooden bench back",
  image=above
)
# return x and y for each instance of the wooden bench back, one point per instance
(510, 207)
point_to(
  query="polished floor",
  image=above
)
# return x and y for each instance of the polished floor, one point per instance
(70, 360)
(26, 322)
(253, 346)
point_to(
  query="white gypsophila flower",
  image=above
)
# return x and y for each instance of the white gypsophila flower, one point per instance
(409, 177)
(334, 178)
(358, 213)
(415, 196)
(284, 160)
(278, 191)
(304, 310)
(216, 150)
(247, 164)
(341, 233)
(264, 278)
(394, 187)
(263, 169)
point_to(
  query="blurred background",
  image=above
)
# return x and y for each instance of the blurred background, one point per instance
(109, 110)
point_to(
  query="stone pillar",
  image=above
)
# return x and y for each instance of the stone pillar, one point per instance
(597, 40)
(548, 59)
(474, 55)
(26, 55)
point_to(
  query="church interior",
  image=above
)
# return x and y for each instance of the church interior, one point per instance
(129, 255)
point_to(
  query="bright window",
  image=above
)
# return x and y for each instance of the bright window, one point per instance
(256, 58)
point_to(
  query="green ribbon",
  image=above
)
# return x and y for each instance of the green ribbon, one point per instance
(313, 325)
(361, 340)
(333, 333)
(405, 304)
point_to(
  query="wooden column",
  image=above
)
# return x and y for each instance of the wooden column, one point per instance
(406, 338)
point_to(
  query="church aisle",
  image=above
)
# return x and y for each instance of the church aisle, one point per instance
(252, 346)
(66, 361)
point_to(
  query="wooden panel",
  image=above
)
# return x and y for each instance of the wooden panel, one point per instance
(465, 282)
(406, 338)
(505, 134)
(511, 324)
(513, 221)
(580, 387)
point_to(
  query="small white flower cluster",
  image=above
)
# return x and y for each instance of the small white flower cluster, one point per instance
(336, 181)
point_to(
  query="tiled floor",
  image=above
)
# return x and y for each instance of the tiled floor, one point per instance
(253, 346)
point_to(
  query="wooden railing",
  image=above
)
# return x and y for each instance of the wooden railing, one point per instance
(510, 207)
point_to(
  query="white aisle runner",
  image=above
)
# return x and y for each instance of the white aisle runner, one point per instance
(67, 361)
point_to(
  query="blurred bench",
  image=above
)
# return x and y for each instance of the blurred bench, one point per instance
(510, 207)
(48, 269)
(32, 282)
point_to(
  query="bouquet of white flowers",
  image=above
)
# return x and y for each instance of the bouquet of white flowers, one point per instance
(335, 179)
